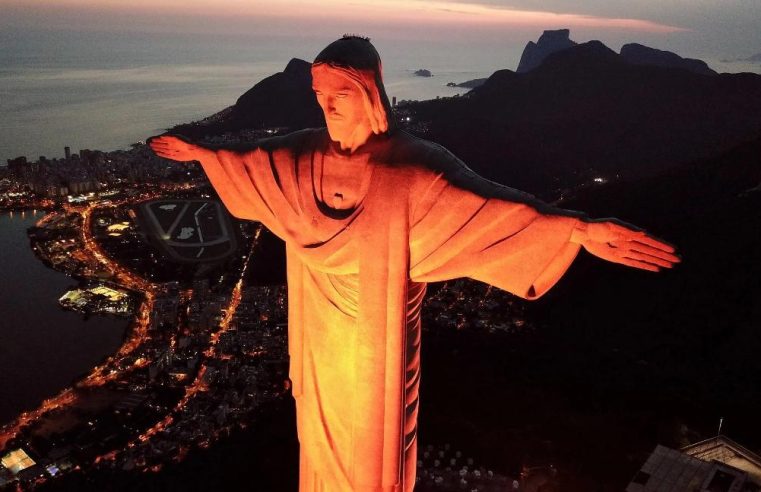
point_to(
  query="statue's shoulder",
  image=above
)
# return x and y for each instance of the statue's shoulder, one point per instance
(407, 150)
(430, 160)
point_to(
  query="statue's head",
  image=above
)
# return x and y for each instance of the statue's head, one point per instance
(348, 82)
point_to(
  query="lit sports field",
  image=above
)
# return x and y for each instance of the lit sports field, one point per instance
(189, 230)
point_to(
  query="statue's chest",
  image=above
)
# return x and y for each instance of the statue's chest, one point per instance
(332, 192)
(340, 188)
(340, 182)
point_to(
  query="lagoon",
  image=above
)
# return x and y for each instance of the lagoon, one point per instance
(43, 349)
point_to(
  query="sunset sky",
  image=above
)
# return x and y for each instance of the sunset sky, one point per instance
(728, 27)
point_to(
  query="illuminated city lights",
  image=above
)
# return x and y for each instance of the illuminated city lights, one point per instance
(90, 254)
(199, 384)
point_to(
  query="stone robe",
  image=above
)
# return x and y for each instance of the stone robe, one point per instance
(356, 281)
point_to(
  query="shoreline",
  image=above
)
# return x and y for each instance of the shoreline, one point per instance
(22, 419)
(124, 379)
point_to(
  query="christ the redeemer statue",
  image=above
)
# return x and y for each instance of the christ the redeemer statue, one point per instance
(369, 216)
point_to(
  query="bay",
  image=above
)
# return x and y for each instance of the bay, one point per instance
(43, 348)
(105, 90)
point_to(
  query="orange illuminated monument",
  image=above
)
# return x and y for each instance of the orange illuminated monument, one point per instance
(370, 215)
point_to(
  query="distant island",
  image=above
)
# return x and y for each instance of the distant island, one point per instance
(423, 73)
(754, 58)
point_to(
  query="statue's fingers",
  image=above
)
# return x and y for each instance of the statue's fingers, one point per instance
(162, 141)
(166, 142)
(636, 245)
(160, 148)
(645, 238)
(642, 265)
(159, 145)
(654, 260)
(166, 150)
(625, 231)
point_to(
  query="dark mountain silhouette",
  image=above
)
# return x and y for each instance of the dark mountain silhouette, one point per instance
(584, 112)
(643, 55)
(587, 112)
(284, 99)
(549, 42)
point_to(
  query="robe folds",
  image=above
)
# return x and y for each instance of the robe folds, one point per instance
(356, 281)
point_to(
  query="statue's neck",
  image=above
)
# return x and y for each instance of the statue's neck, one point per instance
(356, 139)
(340, 178)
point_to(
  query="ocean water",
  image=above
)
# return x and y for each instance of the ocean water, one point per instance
(106, 90)
(103, 90)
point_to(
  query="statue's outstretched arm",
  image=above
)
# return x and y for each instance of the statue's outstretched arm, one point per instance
(225, 169)
(609, 239)
(463, 225)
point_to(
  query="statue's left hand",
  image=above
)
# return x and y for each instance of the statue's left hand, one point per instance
(617, 242)
(176, 148)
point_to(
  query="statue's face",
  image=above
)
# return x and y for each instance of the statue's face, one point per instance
(342, 102)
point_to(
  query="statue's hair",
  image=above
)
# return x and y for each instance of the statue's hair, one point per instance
(359, 60)
(355, 36)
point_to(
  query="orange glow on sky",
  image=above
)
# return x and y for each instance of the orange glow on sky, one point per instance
(421, 12)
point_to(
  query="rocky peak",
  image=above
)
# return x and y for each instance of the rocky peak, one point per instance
(549, 42)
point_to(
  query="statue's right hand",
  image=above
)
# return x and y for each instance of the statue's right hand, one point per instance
(171, 147)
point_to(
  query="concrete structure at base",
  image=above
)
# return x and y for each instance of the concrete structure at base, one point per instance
(714, 465)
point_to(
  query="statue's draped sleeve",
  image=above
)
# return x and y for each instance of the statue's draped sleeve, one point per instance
(228, 173)
(465, 226)
(260, 183)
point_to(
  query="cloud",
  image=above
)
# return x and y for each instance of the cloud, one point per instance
(388, 12)
(510, 15)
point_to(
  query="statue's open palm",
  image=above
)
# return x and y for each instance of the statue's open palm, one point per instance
(617, 242)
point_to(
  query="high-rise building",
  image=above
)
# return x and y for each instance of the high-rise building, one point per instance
(16, 165)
